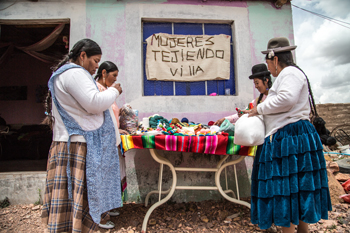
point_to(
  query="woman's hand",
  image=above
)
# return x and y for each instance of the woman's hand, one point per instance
(118, 87)
(239, 112)
(219, 122)
(251, 112)
(122, 131)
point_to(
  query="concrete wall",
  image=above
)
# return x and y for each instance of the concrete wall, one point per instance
(22, 187)
(116, 26)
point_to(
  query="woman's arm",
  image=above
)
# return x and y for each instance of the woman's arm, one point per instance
(83, 89)
(233, 118)
(288, 92)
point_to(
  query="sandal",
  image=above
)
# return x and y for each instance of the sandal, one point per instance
(107, 225)
(114, 213)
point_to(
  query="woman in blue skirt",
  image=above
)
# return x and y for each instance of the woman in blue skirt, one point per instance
(289, 179)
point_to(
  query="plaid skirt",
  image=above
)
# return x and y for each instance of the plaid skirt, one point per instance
(59, 212)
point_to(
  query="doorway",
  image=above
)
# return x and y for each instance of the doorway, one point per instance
(28, 51)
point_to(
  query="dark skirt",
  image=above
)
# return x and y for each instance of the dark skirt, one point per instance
(289, 178)
(60, 213)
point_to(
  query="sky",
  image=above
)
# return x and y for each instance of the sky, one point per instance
(323, 50)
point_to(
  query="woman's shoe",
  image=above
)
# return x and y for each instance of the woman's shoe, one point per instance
(114, 213)
(107, 225)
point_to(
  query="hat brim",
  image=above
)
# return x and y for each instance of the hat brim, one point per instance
(259, 74)
(280, 49)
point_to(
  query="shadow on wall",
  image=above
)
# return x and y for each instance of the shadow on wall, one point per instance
(143, 174)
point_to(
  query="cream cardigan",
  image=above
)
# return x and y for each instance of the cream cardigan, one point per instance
(287, 101)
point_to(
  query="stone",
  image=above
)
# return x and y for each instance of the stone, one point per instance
(204, 219)
(272, 229)
(36, 207)
(342, 177)
(222, 214)
(152, 222)
(329, 224)
(332, 166)
(335, 188)
(210, 225)
(233, 216)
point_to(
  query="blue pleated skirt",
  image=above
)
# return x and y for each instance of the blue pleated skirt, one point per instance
(289, 178)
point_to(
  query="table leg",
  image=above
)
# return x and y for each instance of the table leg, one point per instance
(217, 182)
(160, 159)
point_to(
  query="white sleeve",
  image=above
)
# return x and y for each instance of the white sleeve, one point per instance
(288, 92)
(83, 89)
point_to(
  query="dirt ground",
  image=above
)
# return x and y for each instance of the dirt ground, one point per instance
(206, 216)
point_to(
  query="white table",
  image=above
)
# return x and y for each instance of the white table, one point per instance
(218, 170)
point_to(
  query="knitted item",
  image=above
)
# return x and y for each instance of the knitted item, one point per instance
(128, 119)
(155, 120)
(184, 120)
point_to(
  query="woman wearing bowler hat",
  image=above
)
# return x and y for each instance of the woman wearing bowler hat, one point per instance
(289, 178)
(262, 82)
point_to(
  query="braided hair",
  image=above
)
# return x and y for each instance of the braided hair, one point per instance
(286, 59)
(88, 46)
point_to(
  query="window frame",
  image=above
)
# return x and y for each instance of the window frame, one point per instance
(203, 22)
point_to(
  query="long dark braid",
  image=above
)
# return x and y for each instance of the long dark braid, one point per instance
(88, 46)
(286, 58)
(49, 119)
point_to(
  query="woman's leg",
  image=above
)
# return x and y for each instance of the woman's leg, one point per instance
(303, 227)
(290, 229)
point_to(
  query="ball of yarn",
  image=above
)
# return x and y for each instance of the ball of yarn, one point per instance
(184, 120)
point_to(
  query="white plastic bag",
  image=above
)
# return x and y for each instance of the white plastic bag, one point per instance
(249, 131)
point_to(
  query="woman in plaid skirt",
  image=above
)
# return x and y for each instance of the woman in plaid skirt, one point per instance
(83, 178)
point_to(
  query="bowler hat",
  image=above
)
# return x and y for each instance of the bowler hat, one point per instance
(277, 45)
(259, 70)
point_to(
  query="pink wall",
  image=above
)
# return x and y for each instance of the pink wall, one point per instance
(23, 70)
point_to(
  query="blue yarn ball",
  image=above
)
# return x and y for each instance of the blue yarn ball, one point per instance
(184, 120)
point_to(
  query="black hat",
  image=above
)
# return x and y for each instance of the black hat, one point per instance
(259, 70)
(278, 45)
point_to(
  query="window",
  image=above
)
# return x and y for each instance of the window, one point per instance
(170, 88)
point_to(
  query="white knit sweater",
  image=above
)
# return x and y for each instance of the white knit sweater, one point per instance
(79, 96)
(287, 101)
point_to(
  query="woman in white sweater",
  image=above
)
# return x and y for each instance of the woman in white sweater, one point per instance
(289, 178)
(83, 178)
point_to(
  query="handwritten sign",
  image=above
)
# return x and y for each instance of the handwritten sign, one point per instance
(188, 58)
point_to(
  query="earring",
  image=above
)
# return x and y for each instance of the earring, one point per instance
(104, 80)
(276, 70)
